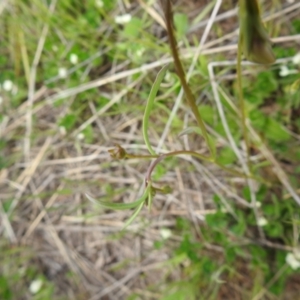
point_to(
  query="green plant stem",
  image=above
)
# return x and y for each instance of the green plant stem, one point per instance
(242, 102)
(132, 156)
(149, 107)
(159, 158)
(189, 95)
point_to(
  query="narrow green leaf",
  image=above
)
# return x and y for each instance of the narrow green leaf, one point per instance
(119, 206)
(138, 209)
(205, 12)
(150, 197)
(134, 215)
(149, 106)
(192, 129)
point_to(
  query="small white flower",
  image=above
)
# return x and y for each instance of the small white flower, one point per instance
(296, 59)
(165, 233)
(73, 58)
(285, 71)
(54, 48)
(140, 52)
(62, 130)
(262, 221)
(123, 19)
(292, 261)
(62, 72)
(35, 286)
(99, 3)
(8, 85)
(258, 204)
(224, 210)
(80, 136)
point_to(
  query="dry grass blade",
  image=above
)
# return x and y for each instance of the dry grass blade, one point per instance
(32, 82)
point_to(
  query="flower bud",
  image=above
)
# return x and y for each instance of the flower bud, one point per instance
(118, 152)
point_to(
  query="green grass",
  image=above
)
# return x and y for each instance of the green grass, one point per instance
(199, 224)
